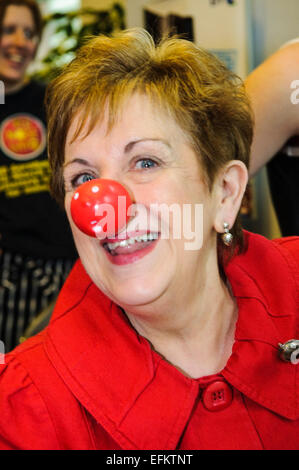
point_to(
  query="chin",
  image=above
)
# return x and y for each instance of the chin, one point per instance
(135, 287)
(12, 80)
(138, 294)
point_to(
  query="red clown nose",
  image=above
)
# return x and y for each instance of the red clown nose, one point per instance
(99, 208)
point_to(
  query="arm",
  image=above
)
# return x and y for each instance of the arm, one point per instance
(276, 117)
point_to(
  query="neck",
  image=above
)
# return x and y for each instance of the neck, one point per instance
(196, 336)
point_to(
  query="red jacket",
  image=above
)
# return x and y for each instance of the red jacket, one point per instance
(89, 381)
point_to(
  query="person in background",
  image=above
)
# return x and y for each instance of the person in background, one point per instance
(36, 248)
(273, 90)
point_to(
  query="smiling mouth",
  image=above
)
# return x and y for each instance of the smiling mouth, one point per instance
(15, 58)
(130, 244)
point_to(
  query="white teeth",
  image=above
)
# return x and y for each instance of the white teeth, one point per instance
(130, 241)
(16, 58)
(153, 236)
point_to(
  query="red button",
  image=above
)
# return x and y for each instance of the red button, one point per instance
(217, 396)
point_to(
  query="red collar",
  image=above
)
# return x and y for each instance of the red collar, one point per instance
(265, 282)
(112, 371)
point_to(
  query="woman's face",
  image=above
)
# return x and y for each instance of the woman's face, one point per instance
(18, 44)
(149, 154)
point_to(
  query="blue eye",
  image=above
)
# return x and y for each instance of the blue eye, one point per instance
(145, 163)
(29, 34)
(80, 179)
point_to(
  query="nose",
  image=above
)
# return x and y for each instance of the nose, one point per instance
(99, 208)
(19, 37)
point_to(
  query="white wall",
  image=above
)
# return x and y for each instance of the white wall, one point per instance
(134, 12)
(99, 4)
(274, 23)
(221, 27)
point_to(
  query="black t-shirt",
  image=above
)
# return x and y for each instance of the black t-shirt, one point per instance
(283, 175)
(31, 222)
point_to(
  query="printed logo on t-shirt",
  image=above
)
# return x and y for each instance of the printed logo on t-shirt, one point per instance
(22, 137)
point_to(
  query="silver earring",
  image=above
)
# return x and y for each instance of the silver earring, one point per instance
(227, 237)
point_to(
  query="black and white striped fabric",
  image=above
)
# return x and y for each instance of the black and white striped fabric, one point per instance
(27, 287)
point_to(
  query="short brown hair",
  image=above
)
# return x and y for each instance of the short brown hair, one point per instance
(31, 5)
(206, 99)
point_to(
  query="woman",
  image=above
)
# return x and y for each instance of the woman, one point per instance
(35, 254)
(152, 345)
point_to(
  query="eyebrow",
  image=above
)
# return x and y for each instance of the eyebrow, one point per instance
(81, 161)
(130, 145)
(127, 149)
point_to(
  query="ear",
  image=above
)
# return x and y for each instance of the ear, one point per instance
(230, 186)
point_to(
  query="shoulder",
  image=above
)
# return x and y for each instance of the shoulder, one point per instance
(289, 249)
(266, 278)
(277, 252)
(271, 268)
(24, 419)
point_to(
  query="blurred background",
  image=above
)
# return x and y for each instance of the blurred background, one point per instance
(242, 33)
